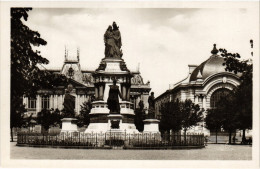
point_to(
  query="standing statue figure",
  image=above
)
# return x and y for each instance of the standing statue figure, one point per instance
(141, 105)
(69, 103)
(113, 100)
(113, 43)
(151, 106)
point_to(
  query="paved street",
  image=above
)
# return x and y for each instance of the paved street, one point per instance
(211, 152)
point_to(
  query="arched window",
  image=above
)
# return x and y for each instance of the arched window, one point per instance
(215, 97)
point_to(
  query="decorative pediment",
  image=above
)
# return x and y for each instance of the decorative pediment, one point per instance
(137, 79)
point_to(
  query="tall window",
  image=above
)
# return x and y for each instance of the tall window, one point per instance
(215, 97)
(31, 103)
(45, 102)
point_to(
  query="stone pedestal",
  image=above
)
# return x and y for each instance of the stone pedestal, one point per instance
(69, 125)
(114, 121)
(151, 126)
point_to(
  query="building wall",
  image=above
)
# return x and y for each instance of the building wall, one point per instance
(200, 95)
(56, 102)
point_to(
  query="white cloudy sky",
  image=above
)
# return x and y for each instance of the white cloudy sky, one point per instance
(163, 41)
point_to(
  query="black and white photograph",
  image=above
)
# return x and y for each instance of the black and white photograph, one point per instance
(156, 84)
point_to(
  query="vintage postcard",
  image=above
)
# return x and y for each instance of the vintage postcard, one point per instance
(130, 84)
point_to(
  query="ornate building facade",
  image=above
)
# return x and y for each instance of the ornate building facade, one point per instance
(84, 89)
(204, 85)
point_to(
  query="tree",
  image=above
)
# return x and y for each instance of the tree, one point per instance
(179, 115)
(228, 112)
(191, 114)
(243, 94)
(45, 119)
(48, 118)
(166, 110)
(83, 117)
(214, 120)
(56, 117)
(25, 74)
(171, 116)
(17, 115)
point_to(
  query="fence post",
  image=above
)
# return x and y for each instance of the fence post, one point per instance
(79, 138)
(138, 138)
(110, 139)
(154, 139)
(125, 134)
(42, 138)
(96, 139)
(129, 139)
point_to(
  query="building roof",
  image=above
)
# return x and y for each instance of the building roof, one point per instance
(211, 66)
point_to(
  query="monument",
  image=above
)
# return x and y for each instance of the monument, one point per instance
(151, 124)
(112, 110)
(69, 122)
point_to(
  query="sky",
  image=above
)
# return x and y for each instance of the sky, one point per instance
(163, 41)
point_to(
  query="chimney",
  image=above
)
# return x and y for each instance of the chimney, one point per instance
(191, 68)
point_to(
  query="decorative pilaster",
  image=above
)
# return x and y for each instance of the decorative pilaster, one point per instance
(96, 93)
(101, 92)
(128, 94)
(38, 103)
(77, 104)
(62, 101)
(196, 100)
(204, 102)
(55, 102)
(26, 102)
(124, 92)
(51, 102)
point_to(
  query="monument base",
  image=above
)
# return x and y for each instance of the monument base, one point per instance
(69, 125)
(151, 126)
(115, 123)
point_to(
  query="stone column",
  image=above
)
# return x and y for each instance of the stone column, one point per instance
(38, 103)
(101, 92)
(84, 98)
(106, 91)
(77, 104)
(145, 97)
(26, 102)
(55, 103)
(62, 101)
(51, 102)
(96, 93)
(137, 101)
(196, 99)
(204, 102)
(128, 94)
(124, 92)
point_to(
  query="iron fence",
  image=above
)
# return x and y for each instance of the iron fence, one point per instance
(110, 139)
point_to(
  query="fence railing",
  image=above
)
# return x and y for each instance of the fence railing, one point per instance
(110, 139)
